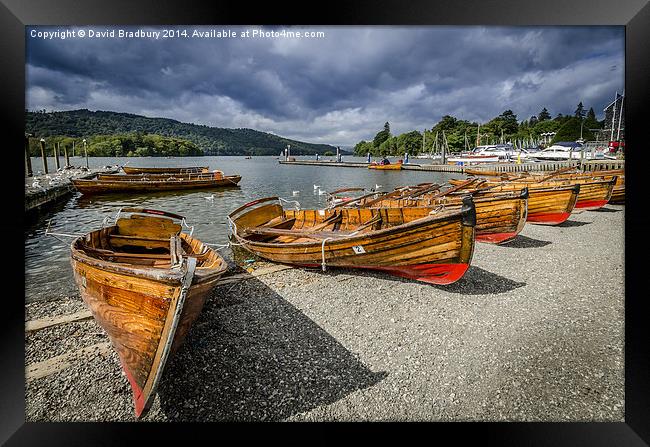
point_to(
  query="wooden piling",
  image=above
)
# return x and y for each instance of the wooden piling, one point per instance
(67, 158)
(28, 159)
(43, 156)
(56, 156)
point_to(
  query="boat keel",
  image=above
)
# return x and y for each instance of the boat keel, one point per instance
(440, 274)
(547, 218)
(591, 204)
(496, 238)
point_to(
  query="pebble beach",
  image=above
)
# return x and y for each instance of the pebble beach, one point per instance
(533, 332)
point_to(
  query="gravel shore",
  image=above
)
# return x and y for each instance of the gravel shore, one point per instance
(533, 332)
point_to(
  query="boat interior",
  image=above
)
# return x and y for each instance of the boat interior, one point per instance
(271, 223)
(145, 240)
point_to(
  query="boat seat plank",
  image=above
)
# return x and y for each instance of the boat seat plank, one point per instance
(299, 233)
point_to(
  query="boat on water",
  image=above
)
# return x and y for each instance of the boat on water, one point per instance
(386, 165)
(500, 217)
(569, 150)
(145, 283)
(105, 184)
(435, 248)
(469, 159)
(164, 170)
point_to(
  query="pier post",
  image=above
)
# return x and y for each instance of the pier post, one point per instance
(56, 156)
(28, 159)
(85, 152)
(43, 156)
(67, 157)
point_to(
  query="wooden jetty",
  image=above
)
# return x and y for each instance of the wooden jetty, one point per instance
(591, 165)
(40, 199)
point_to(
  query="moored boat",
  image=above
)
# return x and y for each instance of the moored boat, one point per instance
(143, 184)
(386, 167)
(145, 283)
(164, 170)
(434, 248)
(547, 205)
(500, 217)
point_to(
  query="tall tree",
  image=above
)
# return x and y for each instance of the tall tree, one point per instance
(580, 111)
(591, 114)
(543, 115)
(382, 135)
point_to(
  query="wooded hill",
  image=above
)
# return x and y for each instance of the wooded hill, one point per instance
(211, 140)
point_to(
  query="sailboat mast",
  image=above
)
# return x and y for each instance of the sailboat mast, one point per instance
(620, 117)
(611, 136)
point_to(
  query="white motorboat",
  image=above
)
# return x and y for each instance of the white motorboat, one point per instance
(570, 150)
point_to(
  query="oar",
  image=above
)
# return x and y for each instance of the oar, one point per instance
(456, 188)
(346, 202)
(345, 190)
(393, 194)
(554, 173)
(433, 187)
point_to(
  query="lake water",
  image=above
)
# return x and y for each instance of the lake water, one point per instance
(48, 274)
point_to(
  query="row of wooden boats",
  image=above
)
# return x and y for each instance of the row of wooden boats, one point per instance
(155, 179)
(146, 282)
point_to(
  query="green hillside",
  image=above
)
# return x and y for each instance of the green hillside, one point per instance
(212, 140)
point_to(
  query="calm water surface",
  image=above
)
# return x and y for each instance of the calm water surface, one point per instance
(48, 274)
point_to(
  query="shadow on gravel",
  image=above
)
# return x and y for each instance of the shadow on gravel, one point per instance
(481, 282)
(571, 223)
(252, 356)
(525, 242)
(607, 210)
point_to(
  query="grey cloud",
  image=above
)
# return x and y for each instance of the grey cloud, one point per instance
(335, 90)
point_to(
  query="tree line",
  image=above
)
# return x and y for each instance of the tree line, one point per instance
(211, 140)
(117, 145)
(462, 134)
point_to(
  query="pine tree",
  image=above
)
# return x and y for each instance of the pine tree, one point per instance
(580, 111)
(543, 115)
(591, 115)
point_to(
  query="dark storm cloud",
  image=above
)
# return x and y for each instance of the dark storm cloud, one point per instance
(338, 89)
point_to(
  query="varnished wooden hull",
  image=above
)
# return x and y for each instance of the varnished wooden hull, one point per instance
(499, 217)
(170, 170)
(435, 249)
(594, 193)
(546, 205)
(146, 310)
(145, 177)
(91, 186)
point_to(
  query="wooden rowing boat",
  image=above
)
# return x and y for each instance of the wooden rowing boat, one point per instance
(170, 183)
(145, 283)
(144, 177)
(434, 248)
(547, 205)
(500, 217)
(595, 192)
(168, 170)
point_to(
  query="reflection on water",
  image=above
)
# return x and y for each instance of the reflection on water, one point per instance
(48, 274)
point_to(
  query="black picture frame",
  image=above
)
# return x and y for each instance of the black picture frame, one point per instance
(633, 14)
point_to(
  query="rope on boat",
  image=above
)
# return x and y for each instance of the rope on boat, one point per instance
(290, 201)
(219, 246)
(323, 251)
(54, 235)
(184, 223)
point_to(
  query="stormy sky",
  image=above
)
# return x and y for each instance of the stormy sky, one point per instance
(336, 89)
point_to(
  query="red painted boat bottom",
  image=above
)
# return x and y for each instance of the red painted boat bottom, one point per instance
(440, 274)
(138, 396)
(591, 204)
(547, 218)
(496, 238)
